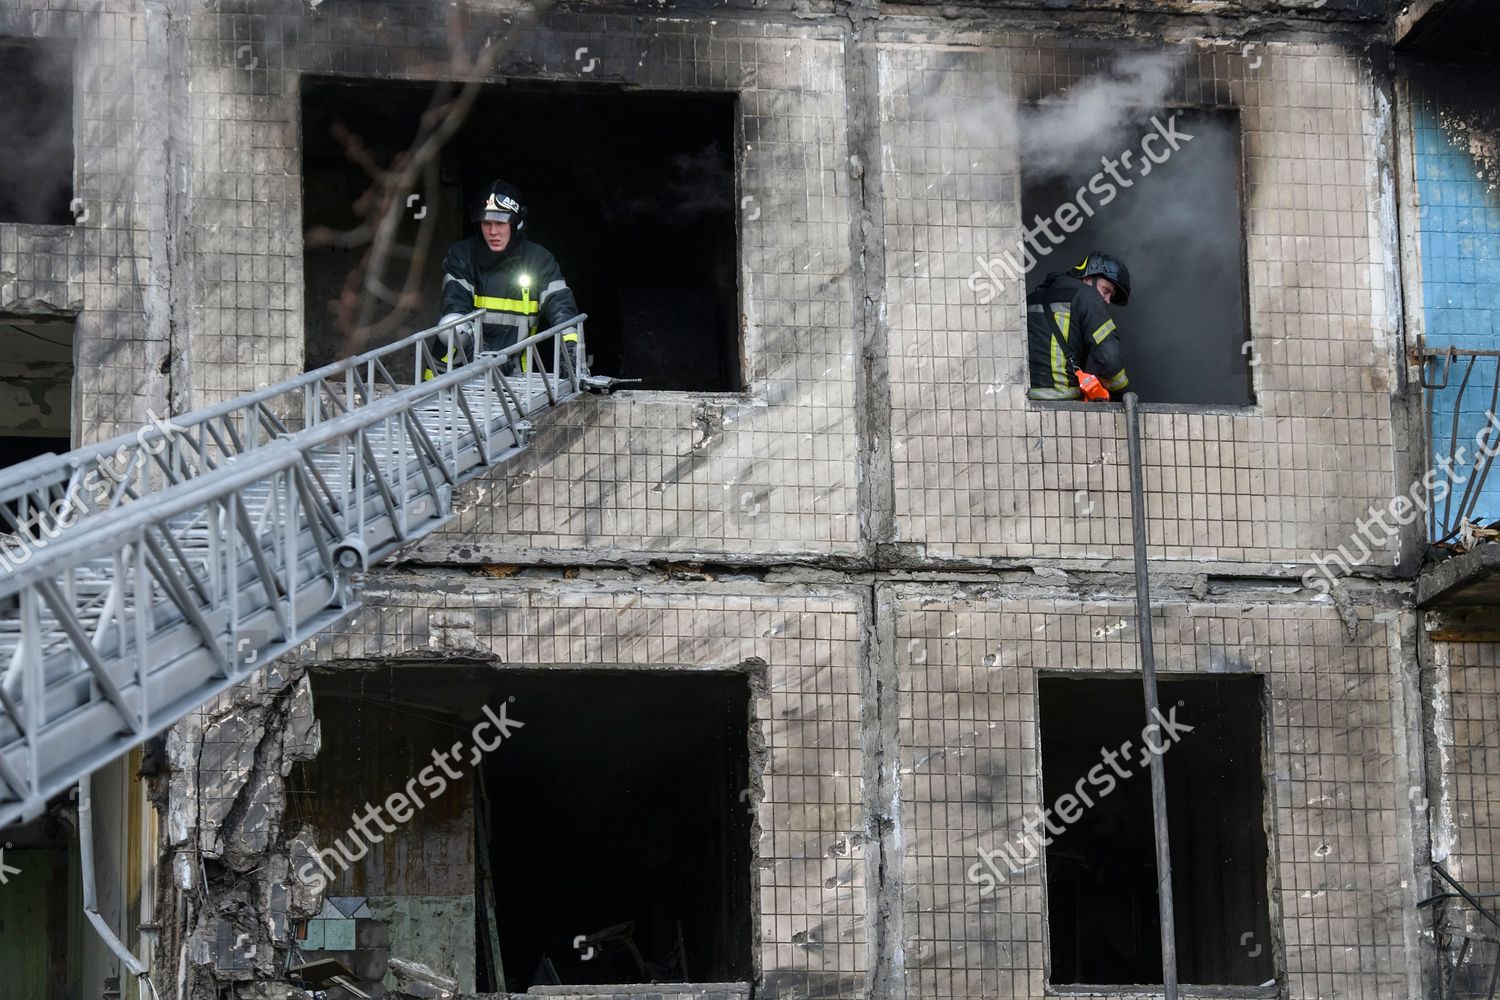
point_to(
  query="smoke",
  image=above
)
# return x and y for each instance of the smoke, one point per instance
(1176, 221)
(1179, 230)
(36, 118)
(1053, 134)
(1099, 111)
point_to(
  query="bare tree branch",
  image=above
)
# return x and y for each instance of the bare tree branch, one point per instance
(369, 307)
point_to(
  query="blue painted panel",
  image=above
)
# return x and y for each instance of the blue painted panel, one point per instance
(1459, 196)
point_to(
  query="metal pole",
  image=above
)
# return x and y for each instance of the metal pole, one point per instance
(90, 900)
(1153, 706)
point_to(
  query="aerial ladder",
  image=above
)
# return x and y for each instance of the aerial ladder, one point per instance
(142, 577)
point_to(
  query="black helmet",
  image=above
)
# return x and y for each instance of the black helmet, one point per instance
(501, 202)
(1109, 267)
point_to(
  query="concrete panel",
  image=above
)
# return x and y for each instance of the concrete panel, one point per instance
(981, 473)
(770, 471)
(1338, 778)
(812, 855)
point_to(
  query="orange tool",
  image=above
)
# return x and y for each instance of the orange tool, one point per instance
(1093, 389)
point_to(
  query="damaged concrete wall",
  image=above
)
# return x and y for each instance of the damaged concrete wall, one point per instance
(1339, 772)
(108, 269)
(739, 477)
(981, 475)
(1455, 185)
(1463, 695)
(882, 433)
(808, 788)
(229, 847)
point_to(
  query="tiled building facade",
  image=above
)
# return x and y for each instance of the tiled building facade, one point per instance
(888, 542)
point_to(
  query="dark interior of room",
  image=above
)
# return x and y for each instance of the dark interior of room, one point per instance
(36, 118)
(625, 810)
(632, 192)
(15, 450)
(36, 364)
(611, 817)
(1179, 229)
(1101, 871)
(1457, 29)
(41, 906)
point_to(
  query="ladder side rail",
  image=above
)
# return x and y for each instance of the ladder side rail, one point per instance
(125, 453)
(427, 461)
(190, 497)
(52, 697)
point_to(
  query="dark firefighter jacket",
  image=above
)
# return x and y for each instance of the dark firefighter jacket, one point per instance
(521, 289)
(1067, 323)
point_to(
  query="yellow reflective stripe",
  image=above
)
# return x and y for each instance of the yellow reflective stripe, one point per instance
(509, 305)
(570, 338)
(1105, 329)
(1117, 382)
(1059, 365)
(1037, 393)
(1061, 377)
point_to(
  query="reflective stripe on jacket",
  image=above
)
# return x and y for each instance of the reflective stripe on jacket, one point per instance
(1067, 323)
(520, 289)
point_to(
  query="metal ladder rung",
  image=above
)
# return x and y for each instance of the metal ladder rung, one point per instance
(319, 477)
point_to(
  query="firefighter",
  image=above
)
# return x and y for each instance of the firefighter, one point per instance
(515, 281)
(1073, 347)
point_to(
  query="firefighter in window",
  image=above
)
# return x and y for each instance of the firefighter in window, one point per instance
(1073, 347)
(515, 281)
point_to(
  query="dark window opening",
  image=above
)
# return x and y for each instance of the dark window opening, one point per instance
(1179, 230)
(41, 905)
(604, 841)
(36, 116)
(633, 193)
(36, 387)
(1102, 914)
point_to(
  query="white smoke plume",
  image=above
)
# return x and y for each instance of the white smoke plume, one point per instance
(1057, 132)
